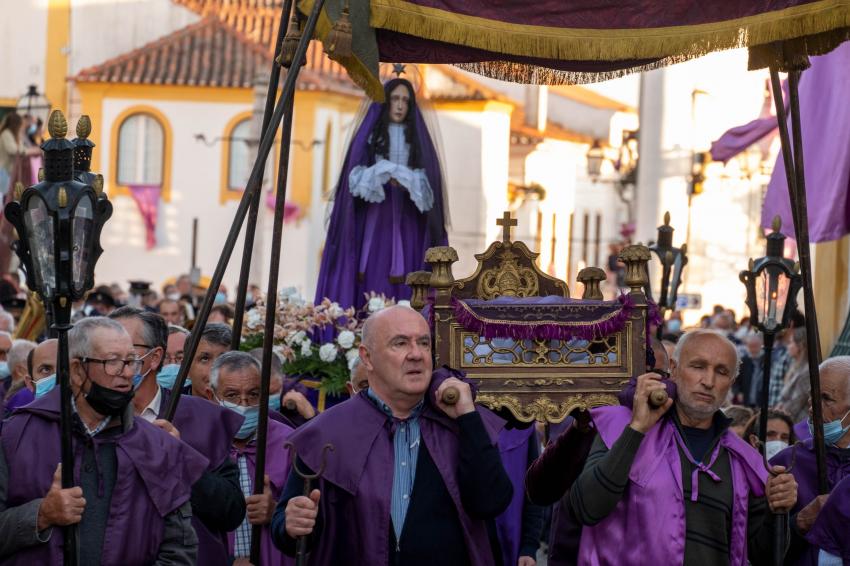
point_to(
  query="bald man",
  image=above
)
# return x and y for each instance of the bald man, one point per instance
(835, 404)
(412, 480)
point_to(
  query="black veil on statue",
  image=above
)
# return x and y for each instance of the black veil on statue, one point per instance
(371, 246)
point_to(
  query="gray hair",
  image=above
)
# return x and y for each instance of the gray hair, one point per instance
(231, 361)
(696, 333)
(217, 333)
(174, 329)
(80, 336)
(354, 365)
(837, 364)
(154, 328)
(18, 353)
(276, 364)
(7, 317)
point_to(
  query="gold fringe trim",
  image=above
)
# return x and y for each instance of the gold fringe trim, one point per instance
(565, 44)
(537, 75)
(359, 71)
(791, 54)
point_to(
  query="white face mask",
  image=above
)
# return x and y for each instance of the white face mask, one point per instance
(774, 447)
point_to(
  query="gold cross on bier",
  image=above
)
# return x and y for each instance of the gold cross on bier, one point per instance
(506, 222)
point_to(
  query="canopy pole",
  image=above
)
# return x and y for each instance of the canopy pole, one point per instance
(794, 173)
(254, 182)
(253, 212)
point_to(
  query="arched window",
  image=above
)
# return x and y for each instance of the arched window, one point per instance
(141, 151)
(239, 160)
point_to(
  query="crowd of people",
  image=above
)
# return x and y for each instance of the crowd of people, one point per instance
(410, 479)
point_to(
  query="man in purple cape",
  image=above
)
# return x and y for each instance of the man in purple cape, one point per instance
(835, 403)
(389, 207)
(134, 480)
(411, 480)
(217, 502)
(235, 384)
(829, 532)
(678, 488)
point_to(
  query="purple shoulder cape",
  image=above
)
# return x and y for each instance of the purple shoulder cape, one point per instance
(341, 256)
(277, 468)
(830, 531)
(205, 426)
(155, 475)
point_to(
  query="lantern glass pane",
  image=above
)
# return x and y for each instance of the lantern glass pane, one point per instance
(40, 234)
(771, 296)
(82, 227)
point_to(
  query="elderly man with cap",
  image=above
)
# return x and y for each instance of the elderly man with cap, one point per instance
(235, 385)
(217, 502)
(835, 404)
(134, 480)
(412, 480)
(673, 484)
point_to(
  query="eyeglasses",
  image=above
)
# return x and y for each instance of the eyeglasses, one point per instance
(251, 399)
(116, 367)
(175, 359)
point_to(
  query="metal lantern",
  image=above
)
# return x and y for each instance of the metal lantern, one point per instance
(34, 104)
(772, 284)
(672, 260)
(595, 157)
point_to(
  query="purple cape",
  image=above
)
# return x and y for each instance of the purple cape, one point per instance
(362, 465)
(154, 477)
(277, 468)
(513, 448)
(357, 228)
(805, 471)
(825, 125)
(831, 527)
(19, 399)
(651, 513)
(209, 429)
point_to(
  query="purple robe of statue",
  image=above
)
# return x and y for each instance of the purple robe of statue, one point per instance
(154, 476)
(373, 246)
(277, 468)
(805, 471)
(362, 464)
(209, 429)
(831, 527)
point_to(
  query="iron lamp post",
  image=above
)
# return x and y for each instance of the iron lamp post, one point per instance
(58, 222)
(33, 104)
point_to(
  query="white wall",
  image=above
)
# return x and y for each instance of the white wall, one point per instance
(477, 189)
(102, 29)
(23, 45)
(195, 176)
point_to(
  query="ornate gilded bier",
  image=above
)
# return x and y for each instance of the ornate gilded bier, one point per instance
(532, 349)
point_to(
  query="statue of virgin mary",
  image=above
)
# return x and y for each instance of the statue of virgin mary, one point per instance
(389, 206)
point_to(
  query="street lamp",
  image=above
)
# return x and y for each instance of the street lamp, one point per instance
(34, 104)
(672, 260)
(595, 157)
(772, 284)
(59, 221)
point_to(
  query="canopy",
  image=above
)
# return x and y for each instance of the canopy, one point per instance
(556, 42)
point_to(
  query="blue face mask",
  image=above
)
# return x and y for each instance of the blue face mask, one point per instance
(274, 403)
(251, 414)
(137, 380)
(674, 325)
(220, 298)
(832, 431)
(44, 385)
(4, 370)
(167, 375)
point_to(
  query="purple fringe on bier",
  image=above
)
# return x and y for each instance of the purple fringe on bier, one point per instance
(544, 330)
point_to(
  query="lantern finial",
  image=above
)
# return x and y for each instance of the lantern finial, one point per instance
(97, 184)
(667, 218)
(57, 125)
(63, 197)
(19, 191)
(777, 223)
(84, 126)
(752, 265)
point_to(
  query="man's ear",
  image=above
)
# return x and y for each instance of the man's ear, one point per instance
(673, 367)
(365, 357)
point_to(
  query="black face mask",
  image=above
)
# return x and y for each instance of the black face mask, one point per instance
(108, 402)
